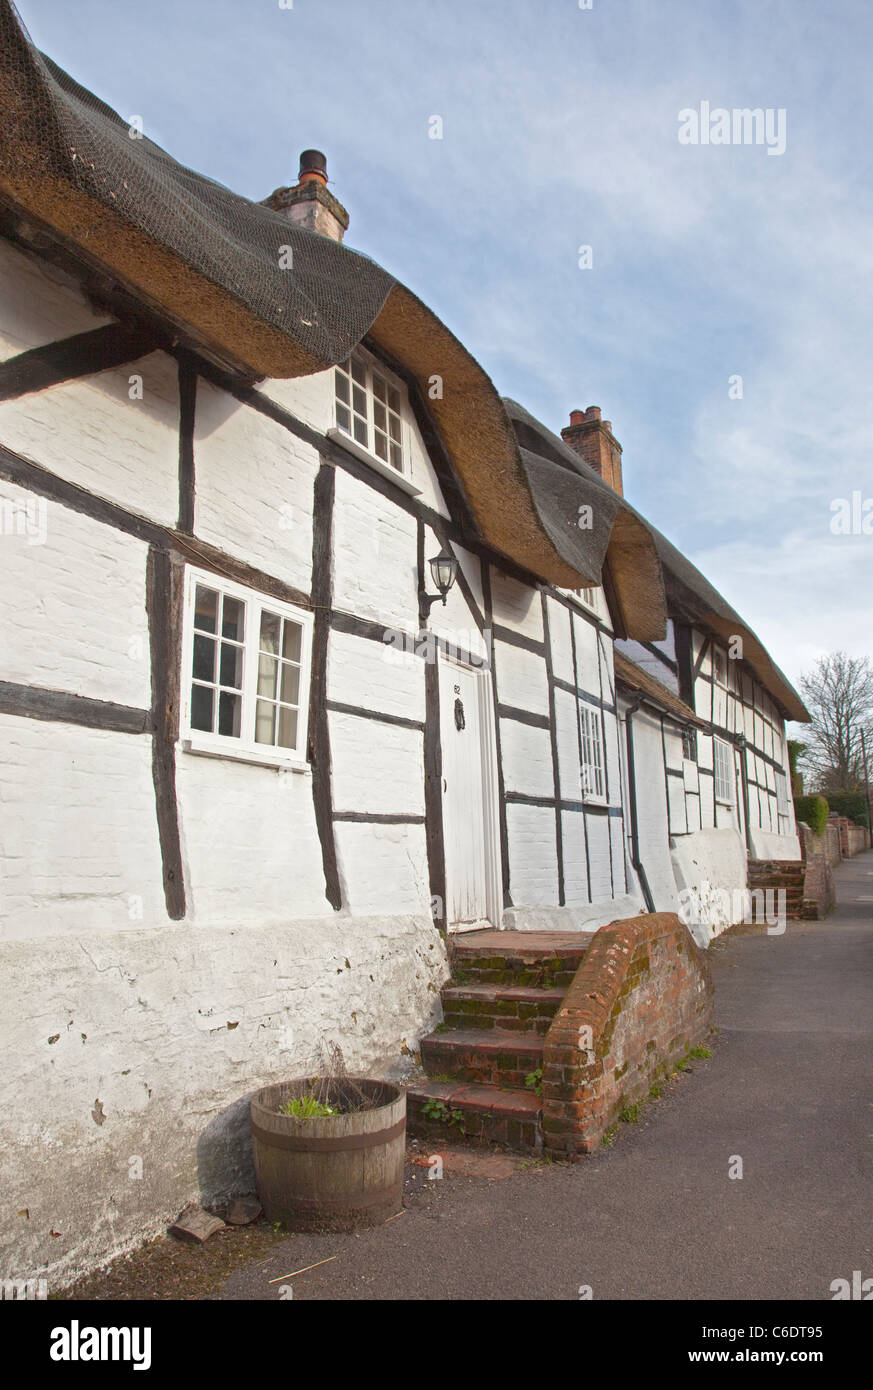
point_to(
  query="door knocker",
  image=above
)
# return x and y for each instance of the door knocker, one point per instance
(460, 722)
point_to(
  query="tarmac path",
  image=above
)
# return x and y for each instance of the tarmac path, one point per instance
(657, 1216)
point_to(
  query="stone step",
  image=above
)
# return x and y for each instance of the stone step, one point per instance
(512, 1008)
(481, 1114)
(538, 960)
(492, 1057)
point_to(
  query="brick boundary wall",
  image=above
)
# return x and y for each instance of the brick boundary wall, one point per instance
(854, 839)
(820, 853)
(645, 995)
(858, 837)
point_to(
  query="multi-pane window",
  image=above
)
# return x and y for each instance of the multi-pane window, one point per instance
(587, 596)
(783, 800)
(689, 745)
(719, 670)
(593, 777)
(724, 771)
(369, 409)
(246, 672)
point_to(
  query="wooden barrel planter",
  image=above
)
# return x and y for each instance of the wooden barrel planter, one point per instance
(335, 1173)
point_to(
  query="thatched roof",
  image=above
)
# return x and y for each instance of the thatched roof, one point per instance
(689, 596)
(210, 263)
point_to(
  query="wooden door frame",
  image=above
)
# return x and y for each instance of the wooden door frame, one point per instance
(490, 792)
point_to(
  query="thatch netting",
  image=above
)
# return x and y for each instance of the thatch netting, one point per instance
(650, 574)
(212, 264)
(183, 240)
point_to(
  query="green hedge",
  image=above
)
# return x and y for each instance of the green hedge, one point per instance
(851, 804)
(813, 810)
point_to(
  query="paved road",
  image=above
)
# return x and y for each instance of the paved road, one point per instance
(656, 1216)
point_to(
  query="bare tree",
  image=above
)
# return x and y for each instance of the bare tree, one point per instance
(838, 692)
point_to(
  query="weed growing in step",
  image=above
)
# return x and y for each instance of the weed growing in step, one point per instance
(439, 1112)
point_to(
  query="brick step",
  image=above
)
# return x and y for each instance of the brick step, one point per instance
(792, 885)
(791, 870)
(790, 890)
(492, 1057)
(512, 1008)
(487, 1114)
(779, 876)
(532, 960)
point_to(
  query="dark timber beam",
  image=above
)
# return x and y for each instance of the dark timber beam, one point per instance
(187, 405)
(488, 604)
(164, 605)
(434, 830)
(553, 738)
(71, 358)
(575, 692)
(319, 731)
(60, 706)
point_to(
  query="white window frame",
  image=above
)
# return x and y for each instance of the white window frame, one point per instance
(366, 452)
(691, 735)
(593, 755)
(245, 748)
(588, 597)
(719, 660)
(590, 603)
(723, 777)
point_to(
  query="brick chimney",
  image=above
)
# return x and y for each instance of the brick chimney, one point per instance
(592, 439)
(308, 203)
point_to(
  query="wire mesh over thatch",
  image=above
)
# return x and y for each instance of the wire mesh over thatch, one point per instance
(212, 264)
(216, 257)
(241, 283)
(636, 549)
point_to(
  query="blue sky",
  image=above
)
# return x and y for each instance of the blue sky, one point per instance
(560, 129)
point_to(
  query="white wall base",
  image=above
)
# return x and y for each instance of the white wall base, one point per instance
(586, 918)
(766, 845)
(711, 872)
(135, 1053)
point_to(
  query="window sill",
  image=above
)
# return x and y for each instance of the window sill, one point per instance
(403, 481)
(208, 749)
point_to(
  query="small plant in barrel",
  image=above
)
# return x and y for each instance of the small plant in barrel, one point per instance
(305, 1108)
(329, 1149)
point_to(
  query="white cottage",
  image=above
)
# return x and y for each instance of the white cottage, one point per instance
(259, 755)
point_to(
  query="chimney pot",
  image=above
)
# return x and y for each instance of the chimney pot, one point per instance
(313, 165)
(310, 204)
(592, 439)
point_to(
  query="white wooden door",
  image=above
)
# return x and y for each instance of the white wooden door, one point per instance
(463, 731)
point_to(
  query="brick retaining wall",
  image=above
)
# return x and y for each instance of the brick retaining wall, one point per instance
(641, 998)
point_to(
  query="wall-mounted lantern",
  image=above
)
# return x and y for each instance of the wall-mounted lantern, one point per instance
(444, 570)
